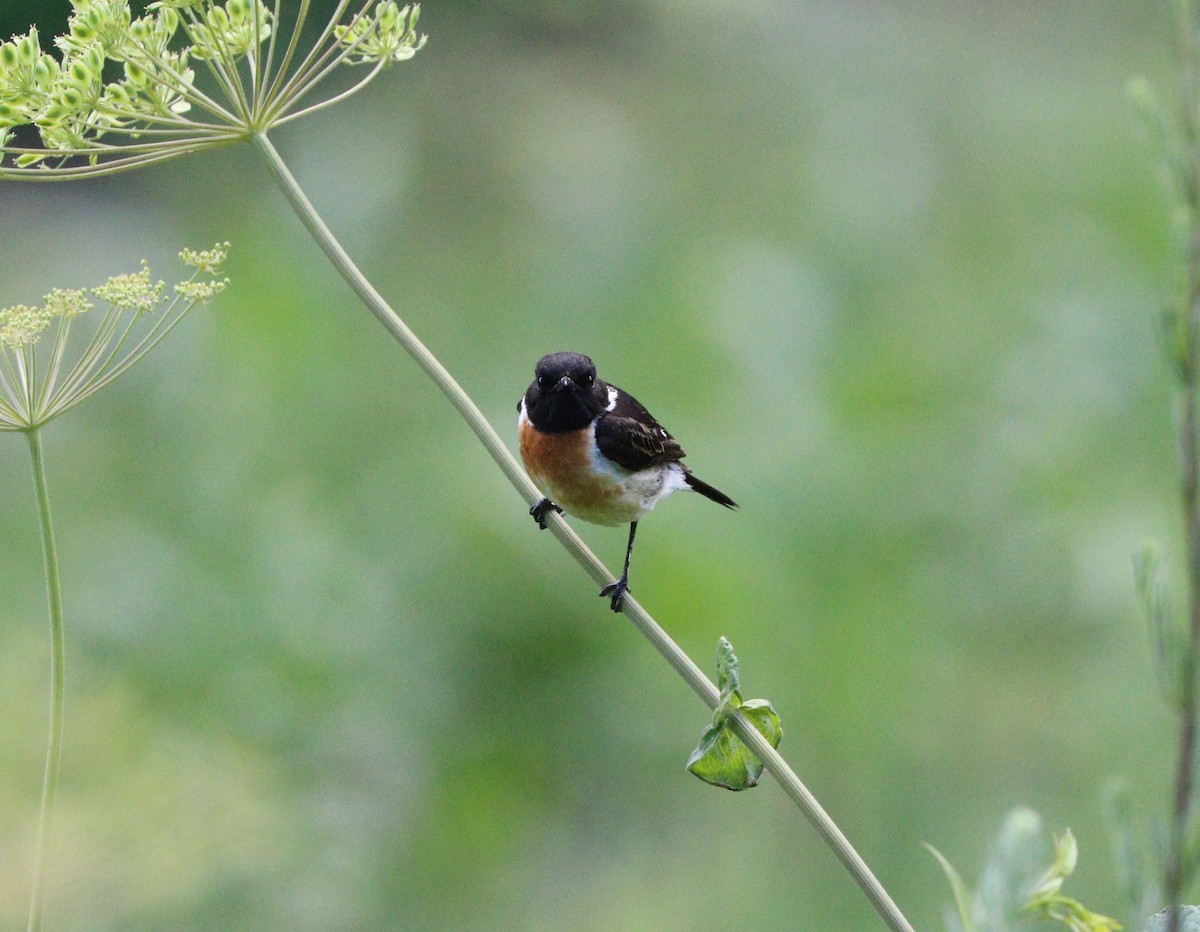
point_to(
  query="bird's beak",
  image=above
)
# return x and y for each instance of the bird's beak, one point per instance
(564, 383)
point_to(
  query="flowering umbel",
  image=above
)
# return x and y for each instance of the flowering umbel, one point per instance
(40, 382)
(185, 76)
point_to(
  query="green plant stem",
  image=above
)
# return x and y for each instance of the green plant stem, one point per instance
(659, 639)
(37, 902)
(1175, 879)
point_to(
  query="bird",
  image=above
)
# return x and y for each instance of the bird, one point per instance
(596, 453)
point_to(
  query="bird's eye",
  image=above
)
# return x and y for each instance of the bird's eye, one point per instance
(588, 379)
(541, 381)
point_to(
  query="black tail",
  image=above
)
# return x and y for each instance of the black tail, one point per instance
(708, 491)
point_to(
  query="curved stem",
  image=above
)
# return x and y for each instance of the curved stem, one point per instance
(37, 902)
(641, 619)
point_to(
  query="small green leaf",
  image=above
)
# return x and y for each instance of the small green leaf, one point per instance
(1066, 855)
(727, 669)
(1047, 901)
(962, 896)
(721, 758)
(763, 717)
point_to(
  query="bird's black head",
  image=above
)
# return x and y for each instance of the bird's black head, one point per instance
(566, 394)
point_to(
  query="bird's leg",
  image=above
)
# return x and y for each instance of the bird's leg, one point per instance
(540, 509)
(618, 589)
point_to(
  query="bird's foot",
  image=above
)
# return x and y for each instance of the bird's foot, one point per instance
(540, 510)
(617, 591)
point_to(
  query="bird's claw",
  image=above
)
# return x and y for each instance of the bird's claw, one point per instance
(539, 511)
(617, 591)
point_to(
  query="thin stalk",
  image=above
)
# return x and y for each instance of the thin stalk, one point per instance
(24, 359)
(186, 88)
(268, 65)
(278, 73)
(162, 327)
(54, 367)
(338, 98)
(119, 164)
(323, 66)
(37, 901)
(1176, 875)
(9, 419)
(88, 361)
(288, 86)
(222, 66)
(200, 132)
(27, 373)
(649, 628)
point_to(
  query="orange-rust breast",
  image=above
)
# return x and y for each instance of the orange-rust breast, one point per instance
(561, 466)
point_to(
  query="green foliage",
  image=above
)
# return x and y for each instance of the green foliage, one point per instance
(721, 758)
(1011, 892)
(1168, 140)
(1138, 865)
(1176, 142)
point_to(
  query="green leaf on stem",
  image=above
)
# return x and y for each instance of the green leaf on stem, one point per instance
(1047, 901)
(721, 758)
(727, 670)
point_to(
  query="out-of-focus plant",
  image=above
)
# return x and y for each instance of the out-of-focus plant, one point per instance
(1138, 854)
(1175, 134)
(196, 74)
(1014, 891)
(51, 360)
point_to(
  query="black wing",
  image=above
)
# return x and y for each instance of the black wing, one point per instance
(630, 437)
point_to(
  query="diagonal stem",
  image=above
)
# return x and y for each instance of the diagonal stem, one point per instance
(640, 618)
(37, 902)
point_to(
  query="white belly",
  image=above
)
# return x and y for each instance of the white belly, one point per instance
(573, 475)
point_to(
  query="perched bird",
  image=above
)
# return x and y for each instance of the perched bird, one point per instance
(596, 453)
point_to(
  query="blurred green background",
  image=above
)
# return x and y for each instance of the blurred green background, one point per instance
(891, 273)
